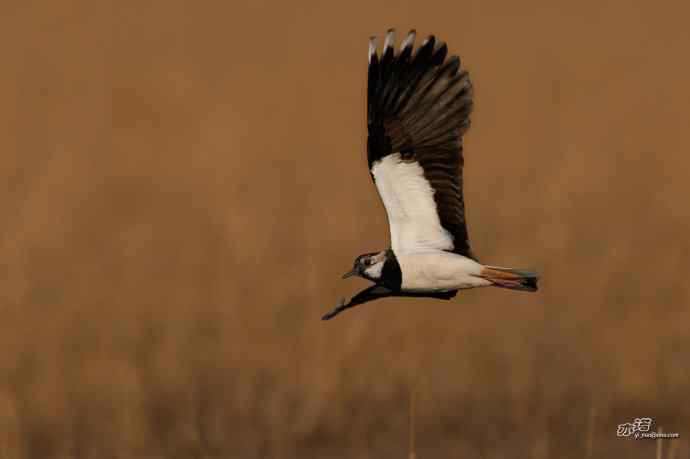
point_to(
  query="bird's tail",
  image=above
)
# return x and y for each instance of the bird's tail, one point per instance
(514, 279)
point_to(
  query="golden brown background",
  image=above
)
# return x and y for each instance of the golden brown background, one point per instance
(184, 183)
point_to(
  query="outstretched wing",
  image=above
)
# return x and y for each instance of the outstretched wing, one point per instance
(418, 109)
(376, 292)
(368, 294)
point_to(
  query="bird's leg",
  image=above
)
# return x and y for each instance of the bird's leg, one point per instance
(343, 305)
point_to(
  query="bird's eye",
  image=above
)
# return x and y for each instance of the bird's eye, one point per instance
(367, 261)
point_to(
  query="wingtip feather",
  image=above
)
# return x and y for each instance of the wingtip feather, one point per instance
(430, 38)
(373, 45)
(389, 41)
(409, 39)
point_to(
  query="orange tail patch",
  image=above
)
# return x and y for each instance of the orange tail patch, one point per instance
(514, 279)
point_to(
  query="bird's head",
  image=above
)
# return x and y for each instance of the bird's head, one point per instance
(368, 266)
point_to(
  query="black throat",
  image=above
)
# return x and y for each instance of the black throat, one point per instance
(391, 276)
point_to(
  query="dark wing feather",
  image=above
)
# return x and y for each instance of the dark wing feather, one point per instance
(368, 294)
(376, 292)
(419, 105)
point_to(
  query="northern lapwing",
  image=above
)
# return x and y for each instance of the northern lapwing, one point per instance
(418, 106)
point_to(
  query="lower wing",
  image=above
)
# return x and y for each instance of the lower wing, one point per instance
(376, 292)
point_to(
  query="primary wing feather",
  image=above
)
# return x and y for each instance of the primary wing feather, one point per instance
(418, 107)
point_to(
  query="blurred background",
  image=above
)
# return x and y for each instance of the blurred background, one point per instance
(184, 183)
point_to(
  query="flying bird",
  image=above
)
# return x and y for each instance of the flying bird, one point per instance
(418, 108)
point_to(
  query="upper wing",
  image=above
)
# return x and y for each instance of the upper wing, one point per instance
(418, 109)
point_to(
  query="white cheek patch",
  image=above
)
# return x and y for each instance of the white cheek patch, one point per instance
(374, 271)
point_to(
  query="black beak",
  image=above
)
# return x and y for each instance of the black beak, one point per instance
(350, 273)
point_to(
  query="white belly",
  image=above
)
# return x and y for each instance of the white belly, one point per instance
(439, 271)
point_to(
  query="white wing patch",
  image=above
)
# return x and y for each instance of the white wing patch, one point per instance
(409, 200)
